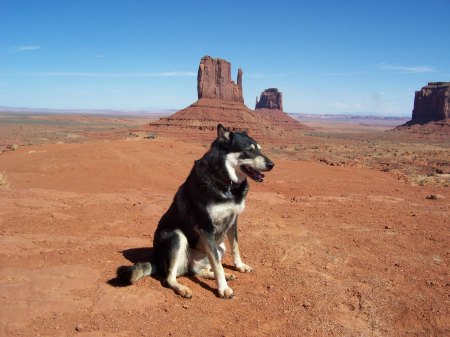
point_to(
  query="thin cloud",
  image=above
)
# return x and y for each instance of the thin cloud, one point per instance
(350, 73)
(261, 75)
(100, 75)
(349, 106)
(407, 69)
(19, 49)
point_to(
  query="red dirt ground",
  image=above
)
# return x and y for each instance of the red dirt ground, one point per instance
(336, 251)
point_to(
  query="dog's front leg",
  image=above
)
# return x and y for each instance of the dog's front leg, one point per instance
(233, 238)
(210, 248)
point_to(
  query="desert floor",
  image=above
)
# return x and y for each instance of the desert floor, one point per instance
(339, 247)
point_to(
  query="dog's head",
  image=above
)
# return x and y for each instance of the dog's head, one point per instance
(243, 157)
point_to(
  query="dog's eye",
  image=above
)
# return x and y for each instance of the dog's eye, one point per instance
(251, 148)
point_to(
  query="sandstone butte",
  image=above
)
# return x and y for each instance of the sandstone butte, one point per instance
(220, 100)
(431, 112)
(270, 106)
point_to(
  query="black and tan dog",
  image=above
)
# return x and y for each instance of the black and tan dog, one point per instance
(190, 236)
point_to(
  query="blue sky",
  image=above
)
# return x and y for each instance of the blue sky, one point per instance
(325, 56)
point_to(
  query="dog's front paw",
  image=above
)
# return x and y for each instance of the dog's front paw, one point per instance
(184, 291)
(243, 268)
(227, 293)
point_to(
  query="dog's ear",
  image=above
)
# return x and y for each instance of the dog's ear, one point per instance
(223, 135)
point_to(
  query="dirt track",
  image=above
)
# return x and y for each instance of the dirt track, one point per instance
(336, 251)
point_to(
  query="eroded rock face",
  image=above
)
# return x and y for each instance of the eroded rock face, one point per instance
(220, 100)
(432, 103)
(270, 99)
(214, 80)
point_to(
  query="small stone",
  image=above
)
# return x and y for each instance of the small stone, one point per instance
(388, 227)
(432, 197)
(79, 327)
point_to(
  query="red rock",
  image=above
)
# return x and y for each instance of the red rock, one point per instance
(431, 113)
(270, 107)
(270, 99)
(432, 103)
(281, 119)
(220, 100)
(206, 113)
(214, 80)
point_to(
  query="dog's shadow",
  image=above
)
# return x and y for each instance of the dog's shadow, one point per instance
(145, 254)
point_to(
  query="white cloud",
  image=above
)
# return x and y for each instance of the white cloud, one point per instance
(89, 74)
(19, 49)
(99, 56)
(407, 69)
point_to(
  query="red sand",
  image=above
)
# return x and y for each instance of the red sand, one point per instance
(336, 251)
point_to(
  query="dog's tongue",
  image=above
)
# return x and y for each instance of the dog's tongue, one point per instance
(256, 175)
(260, 176)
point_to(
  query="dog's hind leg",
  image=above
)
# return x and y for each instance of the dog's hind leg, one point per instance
(233, 238)
(178, 263)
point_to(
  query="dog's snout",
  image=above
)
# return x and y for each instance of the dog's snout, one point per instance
(270, 165)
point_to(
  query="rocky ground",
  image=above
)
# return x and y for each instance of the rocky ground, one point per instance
(337, 249)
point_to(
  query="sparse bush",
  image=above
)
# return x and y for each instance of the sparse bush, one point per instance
(4, 184)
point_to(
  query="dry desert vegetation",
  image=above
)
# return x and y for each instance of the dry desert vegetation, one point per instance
(348, 235)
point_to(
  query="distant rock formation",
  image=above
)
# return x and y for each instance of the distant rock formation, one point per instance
(270, 99)
(220, 100)
(214, 80)
(432, 103)
(270, 107)
(206, 113)
(431, 112)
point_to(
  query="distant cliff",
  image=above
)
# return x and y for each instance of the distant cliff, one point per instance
(270, 99)
(432, 103)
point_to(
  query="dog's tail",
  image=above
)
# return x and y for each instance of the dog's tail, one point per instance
(131, 274)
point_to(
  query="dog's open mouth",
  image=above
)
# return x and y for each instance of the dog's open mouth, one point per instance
(252, 173)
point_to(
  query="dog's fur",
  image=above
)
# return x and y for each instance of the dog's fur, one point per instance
(190, 236)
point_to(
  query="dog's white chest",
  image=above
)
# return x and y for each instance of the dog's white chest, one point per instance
(225, 211)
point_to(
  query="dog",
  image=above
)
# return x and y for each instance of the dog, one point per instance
(189, 238)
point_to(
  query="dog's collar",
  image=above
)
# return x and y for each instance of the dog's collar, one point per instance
(227, 192)
(228, 186)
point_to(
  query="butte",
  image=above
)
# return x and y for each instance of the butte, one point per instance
(270, 107)
(220, 100)
(431, 112)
